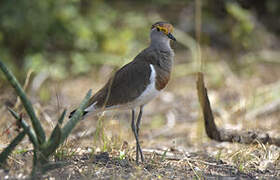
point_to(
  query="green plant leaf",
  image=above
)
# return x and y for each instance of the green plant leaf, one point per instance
(26, 103)
(8, 150)
(53, 142)
(25, 126)
(60, 120)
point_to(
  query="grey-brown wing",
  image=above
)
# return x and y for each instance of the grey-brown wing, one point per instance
(127, 84)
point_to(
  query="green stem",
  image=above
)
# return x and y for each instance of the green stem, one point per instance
(53, 142)
(26, 103)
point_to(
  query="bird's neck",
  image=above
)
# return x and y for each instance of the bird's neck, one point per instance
(161, 43)
(161, 47)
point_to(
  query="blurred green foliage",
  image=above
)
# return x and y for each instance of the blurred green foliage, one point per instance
(64, 37)
(244, 25)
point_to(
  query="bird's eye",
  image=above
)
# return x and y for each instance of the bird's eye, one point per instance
(158, 29)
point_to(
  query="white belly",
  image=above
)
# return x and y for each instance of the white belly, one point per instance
(150, 92)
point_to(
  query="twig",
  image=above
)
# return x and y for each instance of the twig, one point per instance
(191, 166)
(24, 86)
(168, 155)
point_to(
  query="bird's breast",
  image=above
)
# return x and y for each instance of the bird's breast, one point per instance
(163, 71)
(150, 92)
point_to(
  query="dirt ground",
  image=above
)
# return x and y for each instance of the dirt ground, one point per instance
(172, 134)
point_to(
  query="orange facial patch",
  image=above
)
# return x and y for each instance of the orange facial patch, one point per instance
(164, 27)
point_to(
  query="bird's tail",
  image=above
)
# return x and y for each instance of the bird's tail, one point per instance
(91, 108)
(72, 113)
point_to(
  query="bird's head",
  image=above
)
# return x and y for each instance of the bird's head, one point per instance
(162, 29)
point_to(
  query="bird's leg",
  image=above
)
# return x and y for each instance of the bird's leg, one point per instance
(138, 149)
(139, 119)
(135, 134)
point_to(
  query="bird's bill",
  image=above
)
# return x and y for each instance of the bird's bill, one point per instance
(170, 36)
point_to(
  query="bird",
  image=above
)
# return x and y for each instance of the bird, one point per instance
(139, 81)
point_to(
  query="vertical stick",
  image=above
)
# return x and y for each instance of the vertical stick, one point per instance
(198, 33)
(198, 59)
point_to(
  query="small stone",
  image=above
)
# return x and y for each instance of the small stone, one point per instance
(266, 165)
(20, 175)
(98, 150)
(197, 169)
(89, 150)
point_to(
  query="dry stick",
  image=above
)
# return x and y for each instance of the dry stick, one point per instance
(194, 171)
(244, 137)
(197, 33)
(24, 87)
(168, 155)
(197, 55)
(211, 129)
(210, 126)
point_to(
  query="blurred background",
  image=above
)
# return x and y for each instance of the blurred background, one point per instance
(68, 37)
(71, 46)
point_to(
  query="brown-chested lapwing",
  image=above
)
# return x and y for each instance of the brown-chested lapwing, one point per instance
(139, 81)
